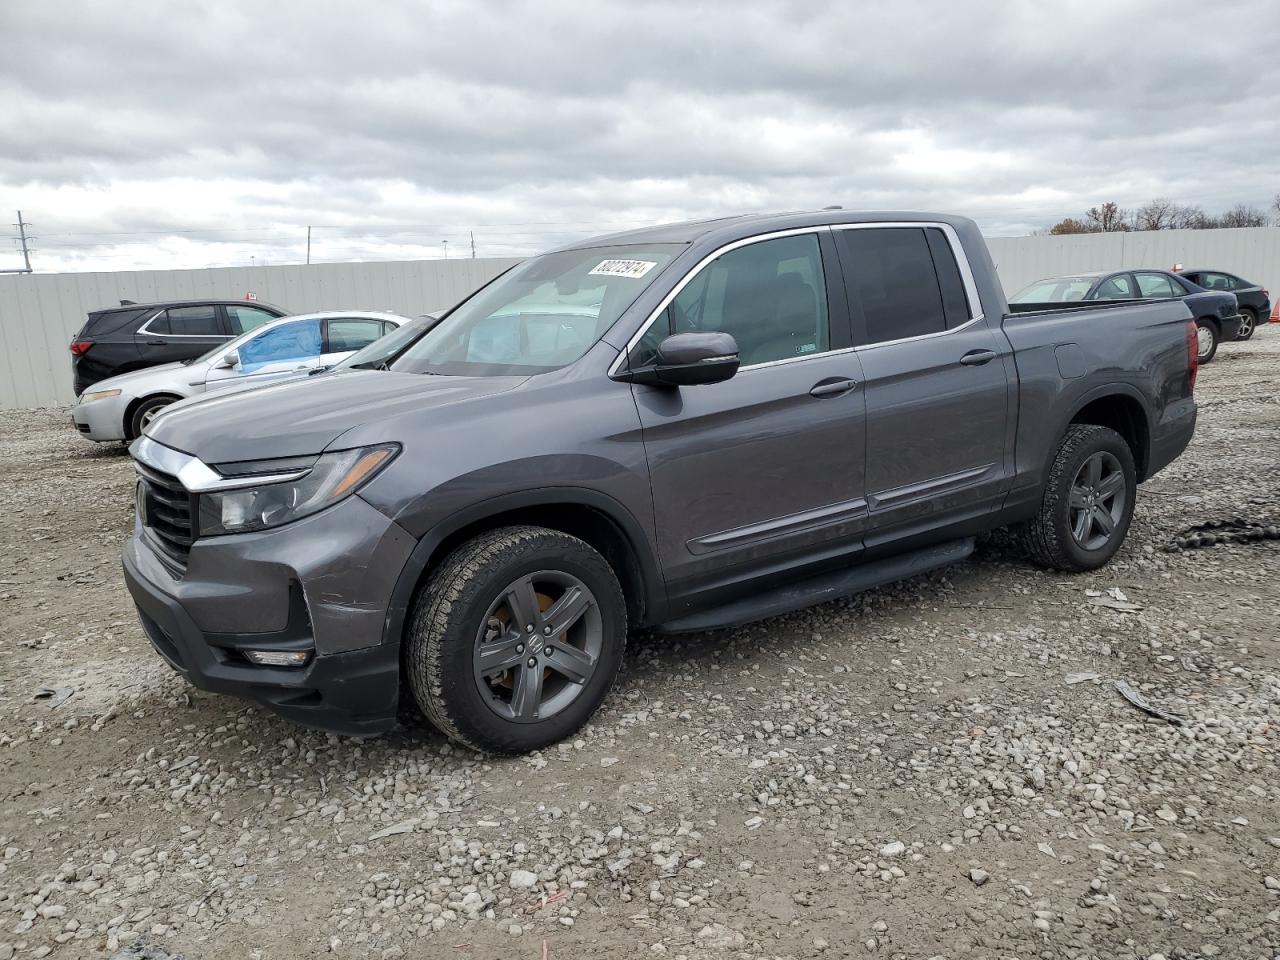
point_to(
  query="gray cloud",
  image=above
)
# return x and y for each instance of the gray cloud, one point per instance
(398, 125)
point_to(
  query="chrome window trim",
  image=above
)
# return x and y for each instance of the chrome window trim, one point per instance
(193, 473)
(948, 231)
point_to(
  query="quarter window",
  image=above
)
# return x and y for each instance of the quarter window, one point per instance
(1155, 285)
(188, 322)
(893, 279)
(769, 296)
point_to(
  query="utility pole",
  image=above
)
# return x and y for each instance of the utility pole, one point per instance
(445, 243)
(308, 244)
(473, 244)
(25, 240)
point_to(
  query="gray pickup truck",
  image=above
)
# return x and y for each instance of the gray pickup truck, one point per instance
(683, 428)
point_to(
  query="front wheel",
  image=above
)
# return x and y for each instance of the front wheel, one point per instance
(145, 412)
(1088, 501)
(516, 639)
(1248, 323)
(1206, 340)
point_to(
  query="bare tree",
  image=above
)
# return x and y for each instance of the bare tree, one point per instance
(1192, 217)
(1157, 214)
(1109, 218)
(1243, 215)
(1275, 205)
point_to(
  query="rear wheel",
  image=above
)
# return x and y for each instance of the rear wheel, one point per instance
(516, 639)
(1206, 339)
(1248, 323)
(145, 412)
(1088, 501)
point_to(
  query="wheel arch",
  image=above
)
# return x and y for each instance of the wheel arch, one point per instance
(1122, 408)
(135, 403)
(594, 517)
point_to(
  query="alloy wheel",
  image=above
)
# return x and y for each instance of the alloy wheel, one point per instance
(538, 646)
(1097, 502)
(1246, 325)
(1204, 341)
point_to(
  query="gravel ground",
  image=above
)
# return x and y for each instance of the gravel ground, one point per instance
(910, 773)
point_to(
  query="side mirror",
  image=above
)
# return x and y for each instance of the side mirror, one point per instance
(689, 359)
(229, 360)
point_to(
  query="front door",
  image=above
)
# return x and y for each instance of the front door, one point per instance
(277, 353)
(937, 387)
(763, 472)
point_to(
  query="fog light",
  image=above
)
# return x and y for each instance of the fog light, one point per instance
(278, 658)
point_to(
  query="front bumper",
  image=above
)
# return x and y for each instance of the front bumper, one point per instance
(320, 584)
(102, 419)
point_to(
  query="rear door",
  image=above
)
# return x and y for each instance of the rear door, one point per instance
(180, 333)
(762, 472)
(937, 382)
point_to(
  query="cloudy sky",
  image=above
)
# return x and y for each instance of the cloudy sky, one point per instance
(165, 134)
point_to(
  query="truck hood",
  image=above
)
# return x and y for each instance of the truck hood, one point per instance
(302, 417)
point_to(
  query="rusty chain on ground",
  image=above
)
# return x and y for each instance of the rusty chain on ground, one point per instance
(1224, 531)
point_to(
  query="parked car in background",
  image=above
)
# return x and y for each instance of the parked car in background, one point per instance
(119, 408)
(379, 354)
(1254, 299)
(1216, 313)
(686, 427)
(134, 336)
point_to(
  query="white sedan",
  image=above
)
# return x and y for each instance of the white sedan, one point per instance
(118, 408)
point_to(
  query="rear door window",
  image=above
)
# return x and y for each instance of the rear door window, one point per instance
(354, 334)
(893, 282)
(1156, 286)
(201, 321)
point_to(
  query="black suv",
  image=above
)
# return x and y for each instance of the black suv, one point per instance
(136, 335)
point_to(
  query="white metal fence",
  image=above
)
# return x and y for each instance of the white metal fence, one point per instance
(39, 313)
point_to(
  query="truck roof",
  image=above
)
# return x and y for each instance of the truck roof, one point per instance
(745, 225)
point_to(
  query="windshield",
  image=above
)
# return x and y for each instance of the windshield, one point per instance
(384, 348)
(1054, 291)
(540, 315)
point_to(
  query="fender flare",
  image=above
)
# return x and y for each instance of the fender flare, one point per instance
(652, 584)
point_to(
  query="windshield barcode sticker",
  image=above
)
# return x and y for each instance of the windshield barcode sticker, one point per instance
(623, 268)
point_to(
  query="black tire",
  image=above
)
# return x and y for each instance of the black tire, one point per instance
(144, 411)
(1212, 328)
(456, 606)
(1248, 323)
(1048, 538)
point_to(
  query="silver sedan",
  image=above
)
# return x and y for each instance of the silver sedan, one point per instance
(118, 408)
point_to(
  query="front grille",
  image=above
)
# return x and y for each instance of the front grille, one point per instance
(166, 514)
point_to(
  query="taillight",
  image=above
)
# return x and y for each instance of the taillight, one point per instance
(1193, 352)
(80, 347)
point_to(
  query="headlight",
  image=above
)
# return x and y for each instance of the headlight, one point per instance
(334, 476)
(98, 395)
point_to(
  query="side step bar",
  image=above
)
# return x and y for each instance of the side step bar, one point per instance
(827, 586)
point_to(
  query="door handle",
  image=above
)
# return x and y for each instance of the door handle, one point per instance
(154, 343)
(976, 358)
(833, 387)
